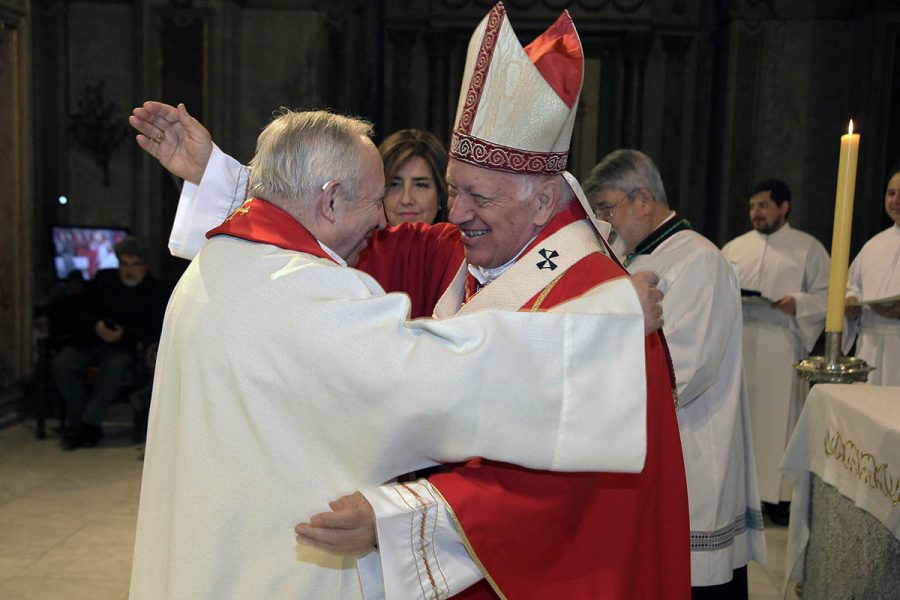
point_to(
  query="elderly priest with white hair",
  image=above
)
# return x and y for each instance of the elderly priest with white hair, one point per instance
(486, 528)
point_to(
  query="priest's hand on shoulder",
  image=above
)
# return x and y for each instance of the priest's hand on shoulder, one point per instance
(650, 297)
(348, 529)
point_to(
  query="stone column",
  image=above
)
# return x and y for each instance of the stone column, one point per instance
(636, 47)
(740, 124)
(48, 32)
(442, 102)
(341, 54)
(675, 47)
(16, 208)
(401, 42)
(182, 59)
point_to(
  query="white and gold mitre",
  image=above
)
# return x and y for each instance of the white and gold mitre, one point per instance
(517, 105)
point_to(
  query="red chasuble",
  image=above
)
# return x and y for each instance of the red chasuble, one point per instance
(545, 535)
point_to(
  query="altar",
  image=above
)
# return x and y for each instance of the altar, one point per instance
(843, 460)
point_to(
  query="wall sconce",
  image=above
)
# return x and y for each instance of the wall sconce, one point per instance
(97, 126)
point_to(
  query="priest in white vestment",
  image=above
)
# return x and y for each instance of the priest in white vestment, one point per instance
(286, 379)
(875, 275)
(783, 275)
(703, 331)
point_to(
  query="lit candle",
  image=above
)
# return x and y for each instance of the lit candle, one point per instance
(840, 239)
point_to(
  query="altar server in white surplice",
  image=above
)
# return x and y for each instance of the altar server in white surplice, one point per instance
(703, 329)
(783, 275)
(875, 274)
(286, 379)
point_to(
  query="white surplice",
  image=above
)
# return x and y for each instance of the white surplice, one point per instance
(874, 274)
(238, 538)
(787, 262)
(702, 325)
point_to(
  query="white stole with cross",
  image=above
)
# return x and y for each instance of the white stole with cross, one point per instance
(530, 274)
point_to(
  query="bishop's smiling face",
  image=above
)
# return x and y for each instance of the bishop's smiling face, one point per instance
(495, 221)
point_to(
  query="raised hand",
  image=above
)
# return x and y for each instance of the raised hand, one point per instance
(180, 143)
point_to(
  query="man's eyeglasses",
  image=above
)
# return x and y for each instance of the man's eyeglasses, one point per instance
(605, 211)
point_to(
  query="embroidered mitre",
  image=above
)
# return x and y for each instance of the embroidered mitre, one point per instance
(517, 105)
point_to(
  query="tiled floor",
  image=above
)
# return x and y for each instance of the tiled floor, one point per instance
(67, 520)
(767, 581)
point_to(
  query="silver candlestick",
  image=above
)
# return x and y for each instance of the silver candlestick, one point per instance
(834, 367)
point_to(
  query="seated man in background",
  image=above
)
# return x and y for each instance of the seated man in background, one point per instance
(703, 330)
(122, 311)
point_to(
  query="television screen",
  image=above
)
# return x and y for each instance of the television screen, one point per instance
(85, 249)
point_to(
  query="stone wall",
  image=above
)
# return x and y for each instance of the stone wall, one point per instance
(100, 51)
(798, 71)
(16, 265)
(720, 94)
(232, 63)
(850, 554)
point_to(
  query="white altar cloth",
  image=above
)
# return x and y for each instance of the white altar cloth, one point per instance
(849, 436)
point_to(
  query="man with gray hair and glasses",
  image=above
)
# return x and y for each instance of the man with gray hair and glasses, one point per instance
(703, 328)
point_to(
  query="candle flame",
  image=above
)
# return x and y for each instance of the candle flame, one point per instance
(850, 128)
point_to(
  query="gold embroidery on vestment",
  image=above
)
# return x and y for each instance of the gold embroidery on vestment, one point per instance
(423, 506)
(545, 292)
(468, 293)
(242, 210)
(864, 465)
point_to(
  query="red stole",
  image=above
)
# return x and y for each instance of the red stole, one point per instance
(258, 220)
